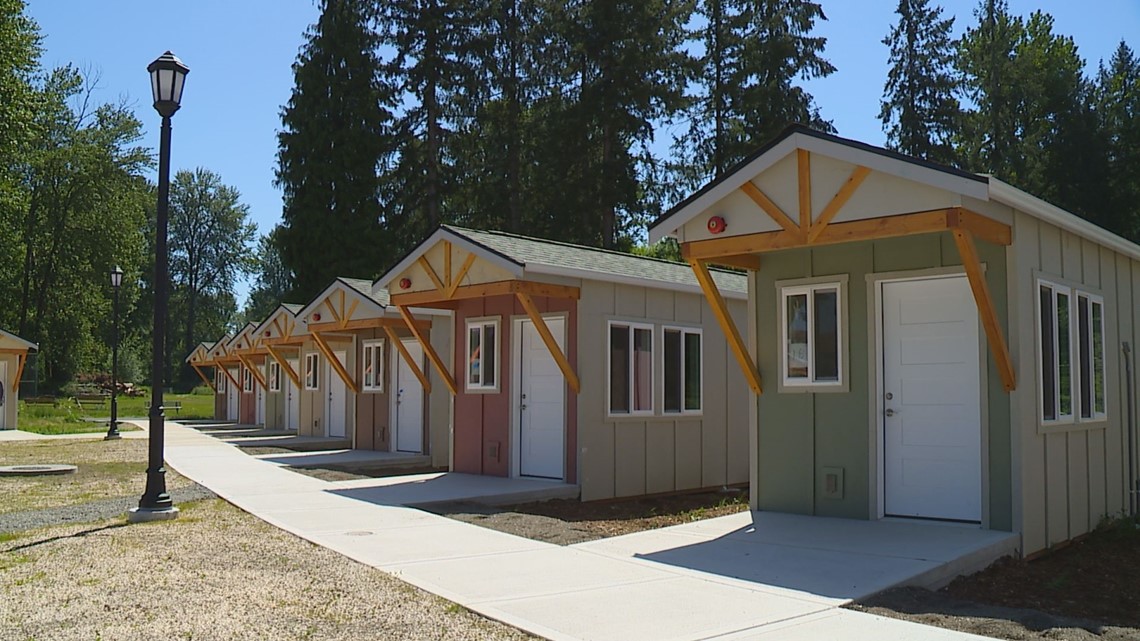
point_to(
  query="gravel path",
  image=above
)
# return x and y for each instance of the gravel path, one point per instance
(95, 511)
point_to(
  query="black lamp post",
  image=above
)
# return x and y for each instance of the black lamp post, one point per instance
(167, 77)
(113, 431)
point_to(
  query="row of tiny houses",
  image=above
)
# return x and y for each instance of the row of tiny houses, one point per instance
(932, 343)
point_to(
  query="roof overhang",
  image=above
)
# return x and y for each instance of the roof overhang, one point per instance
(11, 342)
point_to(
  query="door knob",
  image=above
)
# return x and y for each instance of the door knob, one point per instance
(523, 406)
(889, 396)
(890, 412)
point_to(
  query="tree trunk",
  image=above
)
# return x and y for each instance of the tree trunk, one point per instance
(514, 144)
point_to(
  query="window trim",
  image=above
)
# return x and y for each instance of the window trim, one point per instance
(808, 286)
(1095, 416)
(247, 380)
(481, 323)
(683, 329)
(312, 376)
(633, 325)
(221, 381)
(377, 385)
(274, 382)
(1074, 291)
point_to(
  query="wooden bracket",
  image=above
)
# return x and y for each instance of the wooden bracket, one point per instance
(463, 269)
(720, 310)
(231, 377)
(257, 376)
(205, 380)
(407, 356)
(769, 207)
(969, 254)
(837, 202)
(551, 343)
(803, 170)
(429, 350)
(284, 363)
(337, 366)
(426, 266)
(21, 361)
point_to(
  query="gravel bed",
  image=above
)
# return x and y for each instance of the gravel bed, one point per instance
(94, 511)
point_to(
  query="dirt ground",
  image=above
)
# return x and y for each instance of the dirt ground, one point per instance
(1087, 590)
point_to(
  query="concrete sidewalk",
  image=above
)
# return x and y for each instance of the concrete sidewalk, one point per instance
(19, 435)
(685, 583)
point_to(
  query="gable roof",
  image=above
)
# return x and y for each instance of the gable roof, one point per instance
(287, 308)
(523, 254)
(202, 348)
(243, 333)
(376, 296)
(11, 341)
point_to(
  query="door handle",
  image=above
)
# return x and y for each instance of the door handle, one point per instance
(523, 407)
(889, 412)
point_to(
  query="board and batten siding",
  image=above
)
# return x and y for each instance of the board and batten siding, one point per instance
(799, 434)
(1070, 476)
(660, 453)
(313, 402)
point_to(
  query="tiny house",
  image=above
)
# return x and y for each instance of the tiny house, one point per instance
(281, 339)
(13, 357)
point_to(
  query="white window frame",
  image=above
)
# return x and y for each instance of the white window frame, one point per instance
(1076, 382)
(665, 329)
(631, 326)
(481, 324)
(221, 381)
(376, 347)
(312, 372)
(808, 290)
(247, 380)
(1094, 415)
(274, 377)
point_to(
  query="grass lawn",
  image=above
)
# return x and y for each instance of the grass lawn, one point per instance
(107, 469)
(69, 418)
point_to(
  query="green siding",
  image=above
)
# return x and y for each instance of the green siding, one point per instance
(800, 434)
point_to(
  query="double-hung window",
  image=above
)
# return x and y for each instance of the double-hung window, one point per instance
(682, 359)
(810, 335)
(247, 380)
(311, 371)
(274, 377)
(1071, 365)
(220, 380)
(631, 368)
(373, 362)
(482, 354)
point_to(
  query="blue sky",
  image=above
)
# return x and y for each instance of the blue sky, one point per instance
(240, 54)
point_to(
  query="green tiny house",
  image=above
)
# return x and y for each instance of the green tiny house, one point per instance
(932, 344)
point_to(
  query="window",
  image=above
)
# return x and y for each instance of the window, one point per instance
(247, 380)
(1070, 327)
(220, 380)
(311, 371)
(274, 376)
(682, 370)
(810, 335)
(373, 361)
(482, 353)
(631, 368)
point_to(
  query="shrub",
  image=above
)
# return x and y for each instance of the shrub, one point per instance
(202, 390)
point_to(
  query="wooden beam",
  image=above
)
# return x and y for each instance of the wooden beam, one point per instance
(769, 207)
(291, 340)
(226, 371)
(366, 323)
(13, 350)
(337, 366)
(447, 264)
(551, 343)
(979, 226)
(838, 201)
(205, 380)
(727, 325)
(347, 315)
(284, 363)
(257, 376)
(803, 167)
(332, 309)
(969, 254)
(281, 333)
(430, 351)
(21, 361)
(750, 262)
(426, 266)
(463, 269)
(428, 298)
(407, 356)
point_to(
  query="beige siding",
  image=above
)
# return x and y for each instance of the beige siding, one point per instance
(659, 453)
(1070, 476)
(11, 394)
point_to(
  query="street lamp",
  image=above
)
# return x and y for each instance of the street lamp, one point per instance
(167, 78)
(113, 431)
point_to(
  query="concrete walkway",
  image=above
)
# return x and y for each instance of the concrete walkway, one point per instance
(730, 578)
(19, 435)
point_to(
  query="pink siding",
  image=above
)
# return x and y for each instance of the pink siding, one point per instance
(483, 420)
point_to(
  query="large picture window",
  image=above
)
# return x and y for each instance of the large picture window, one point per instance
(274, 377)
(810, 335)
(631, 368)
(482, 354)
(311, 379)
(1070, 340)
(682, 373)
(373, 363)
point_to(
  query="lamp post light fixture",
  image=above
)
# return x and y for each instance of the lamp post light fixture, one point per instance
(113, 430)
(167, 78)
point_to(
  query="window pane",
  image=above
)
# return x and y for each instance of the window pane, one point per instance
(825, 334)
(1098, 356)
(1064, 356)
(1048, 357)
(473, 356)
(692, 371)
(642, 370)
(672, 370)
(490, 350)
(368, 364)
(797, 336)
(1084, 358)
(619, 369)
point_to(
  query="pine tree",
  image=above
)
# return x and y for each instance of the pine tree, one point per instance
(754, 51)
(986, 62)
(336, 136)
(1117, 99)
(919, 112)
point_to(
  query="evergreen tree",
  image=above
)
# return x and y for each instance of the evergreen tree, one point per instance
(273, 281)
(754, 51)
(1117, 100)
(919, 111)
(986, 62)
(336, 136)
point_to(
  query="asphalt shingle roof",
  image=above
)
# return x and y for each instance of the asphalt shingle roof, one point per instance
(380, 297)
(527, 251)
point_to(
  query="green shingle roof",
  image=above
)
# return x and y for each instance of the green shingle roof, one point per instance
(530, 252)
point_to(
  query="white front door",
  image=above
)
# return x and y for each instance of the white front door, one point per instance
(232, 394)
(409, 420)
(292, 399)
(931, 400)
(6, 395)
(337, 398)
(541, 403)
